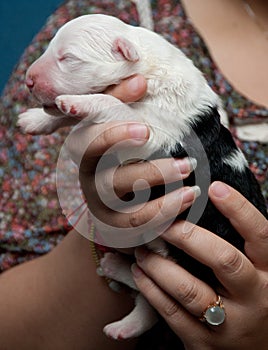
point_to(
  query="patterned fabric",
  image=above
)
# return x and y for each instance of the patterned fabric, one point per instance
(31, 220)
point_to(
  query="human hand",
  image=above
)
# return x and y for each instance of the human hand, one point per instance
(104, 189)
(181, 298)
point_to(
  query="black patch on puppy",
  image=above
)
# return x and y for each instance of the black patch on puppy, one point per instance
(218, 144)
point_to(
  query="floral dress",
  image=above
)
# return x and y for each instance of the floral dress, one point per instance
(31, 218)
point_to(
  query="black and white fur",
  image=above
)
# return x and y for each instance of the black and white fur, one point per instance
(93, 52)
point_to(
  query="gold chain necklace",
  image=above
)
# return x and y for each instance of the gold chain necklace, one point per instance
(252, 14)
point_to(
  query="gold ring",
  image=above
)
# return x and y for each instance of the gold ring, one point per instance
(214, 314)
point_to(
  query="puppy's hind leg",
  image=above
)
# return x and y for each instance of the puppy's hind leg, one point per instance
(142, 318)
(118, 268)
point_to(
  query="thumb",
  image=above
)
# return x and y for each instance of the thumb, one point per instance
(129, 90)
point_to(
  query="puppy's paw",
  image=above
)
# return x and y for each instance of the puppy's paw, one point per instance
(142, 318)
(34, 121)
(118, 268)
(70, 106)
(111, 265)
(121, 330)
(96, 108)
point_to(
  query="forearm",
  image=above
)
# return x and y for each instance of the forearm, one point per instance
(58, 302)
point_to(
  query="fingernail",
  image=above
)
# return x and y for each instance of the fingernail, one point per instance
(220, 190)
(137, 272)
(138, 131)
(141, 253)
(185, 165)
(190, 194)
(134, 84)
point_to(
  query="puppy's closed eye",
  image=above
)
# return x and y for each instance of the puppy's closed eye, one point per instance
(62, 58)
(67, 57)
(68, 62)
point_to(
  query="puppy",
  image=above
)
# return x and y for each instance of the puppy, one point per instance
(92, 52)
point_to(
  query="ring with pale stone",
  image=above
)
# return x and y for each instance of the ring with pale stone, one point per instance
(214, 315)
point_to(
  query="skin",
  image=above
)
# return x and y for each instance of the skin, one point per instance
(181, 298)
(229, 31)
(49, 303)
(58, 301)
(177, 295)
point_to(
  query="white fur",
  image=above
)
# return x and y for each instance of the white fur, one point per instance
(236, 160)
(86, 56)
(134, 324)
(36, 121)
(78, 62)
(143, 316)
(118, 268)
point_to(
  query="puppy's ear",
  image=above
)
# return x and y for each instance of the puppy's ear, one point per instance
(123, 49)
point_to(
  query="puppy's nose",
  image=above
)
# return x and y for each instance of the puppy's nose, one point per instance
(29, 82)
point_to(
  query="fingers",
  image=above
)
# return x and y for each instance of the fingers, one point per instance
(176, 316)
(88, 143)
(148, 215)
(193, 294)
(143, 175)
(245, 218)
(231, 267)
(129, 90)
(173, 293)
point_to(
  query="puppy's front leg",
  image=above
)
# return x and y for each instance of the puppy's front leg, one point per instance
(36, 121)
(96, 108)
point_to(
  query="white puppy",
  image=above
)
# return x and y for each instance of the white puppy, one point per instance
(93, 52)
